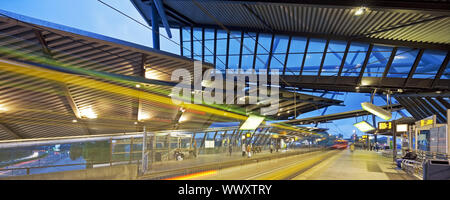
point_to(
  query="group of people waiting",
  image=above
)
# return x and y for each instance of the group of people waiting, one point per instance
(250, 149)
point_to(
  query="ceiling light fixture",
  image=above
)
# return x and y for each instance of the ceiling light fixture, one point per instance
(3, 109)
(252, 122)
(360, 11)
(143, 116)
(364, 126)
(88, 113)
(379, 112)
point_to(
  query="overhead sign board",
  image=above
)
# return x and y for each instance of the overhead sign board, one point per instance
(384, 125)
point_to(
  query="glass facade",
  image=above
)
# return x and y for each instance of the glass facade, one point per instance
(293, 55)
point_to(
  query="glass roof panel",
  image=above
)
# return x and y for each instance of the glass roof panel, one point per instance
(403, 61)
(355, 59)
(446, 74)
(378, 61)
(235, 43)
(293, 64)
(297, 45)
(429, 64)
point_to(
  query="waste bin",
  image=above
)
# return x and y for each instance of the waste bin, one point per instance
(436, 170)
(158, 156)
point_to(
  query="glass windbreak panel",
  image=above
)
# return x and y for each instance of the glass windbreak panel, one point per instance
(198, 50)
(261, 62)
(221, 34)
(280, 44)
(218, 139)
(210, 135)
(403, 61)
(333, 58)
(221, 50)
(220, 62)
(294, 62)
(209, 34)
(429, 64)
(198, 34)
(446, 74)
(264, 43)
(355, 59)
(295, 57)
(316, 45)
(198, 139)
(277, 63)
(209, 47)
(209, 59)
(424, 140)
(378, 61)
(235, 43)
(248, 51)
(198, 46)
(247, 62)
(233, 62)
(298, 45)
(312, 63)
(314, 56)
(187, 49)
(186, 33)
(279, 52)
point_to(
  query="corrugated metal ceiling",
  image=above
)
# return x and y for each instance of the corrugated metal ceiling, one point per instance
(376, 23)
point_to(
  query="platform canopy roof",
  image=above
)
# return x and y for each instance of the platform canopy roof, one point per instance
(59, 81)
(321, 45)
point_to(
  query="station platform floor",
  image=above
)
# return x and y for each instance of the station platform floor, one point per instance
(205, 159)
(320, 165)
(357, 165)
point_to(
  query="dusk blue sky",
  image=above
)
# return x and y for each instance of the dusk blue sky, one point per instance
(93, 16)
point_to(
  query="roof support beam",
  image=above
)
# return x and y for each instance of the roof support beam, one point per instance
(323, 57)
(389, 63)
(443, 102)
(416, 115)
(203, 45)
(256, 50)
(287, 55)
(425, 108)
(363, 68)
(215, 47)
(412, 5)
(413, 68)
(343, 58)
(271, 53)
(181, 41)
(392, 42)
(11, 132)
(43, 43)
(228, 49)
(192, 42)
(401, 26)
(240, 50)
(434, 110)
(172, 12)
(72, 107)
(412, 106)
(441, 70)
(304, 56)
(437, 106)
(267, 26)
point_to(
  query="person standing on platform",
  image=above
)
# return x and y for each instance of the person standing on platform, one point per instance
(230, 148)
(243, 150)
(249, 149)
